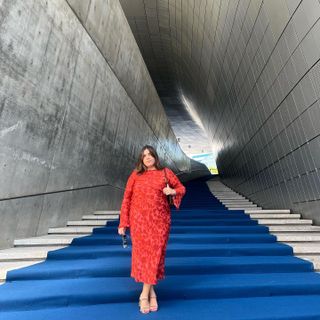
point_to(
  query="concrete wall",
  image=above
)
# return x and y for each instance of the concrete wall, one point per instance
(269, 93)
(251, 69)
(76, 105)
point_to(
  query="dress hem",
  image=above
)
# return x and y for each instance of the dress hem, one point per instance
(148, 282)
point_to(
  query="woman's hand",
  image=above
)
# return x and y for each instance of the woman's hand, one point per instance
(167, 191)
(122, 231)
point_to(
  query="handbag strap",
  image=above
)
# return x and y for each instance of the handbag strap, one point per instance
(165, 175)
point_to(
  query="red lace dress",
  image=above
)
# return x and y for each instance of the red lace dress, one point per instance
(146, 212)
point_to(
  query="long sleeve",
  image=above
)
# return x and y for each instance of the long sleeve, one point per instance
(126, 202)
(175, 184)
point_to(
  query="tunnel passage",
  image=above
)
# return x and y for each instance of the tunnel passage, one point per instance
(250, 69)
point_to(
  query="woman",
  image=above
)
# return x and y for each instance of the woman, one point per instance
(145, 210)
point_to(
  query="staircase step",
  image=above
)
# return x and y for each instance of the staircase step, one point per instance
(305, 248)
(206, 211)
(292, 228)
(315, 259)
(209, 215)
(238, 203)
(108, 212)
(239, 200)
(256, 209)
(284, 221)
(227, 191)
(297, 237)
(230, 197)
(110, 216)
(49, 240)
(103, 239)
(120, 267)
(26, 253)
(5, 267)
(224, 191)
(106, 290)
(203, 229)
(241, 204)
(87, 223)
(269, 211)
(102, 217)
(73, 230)
(180, 250)
(249, 308)
(244, 200)
(213, 221)
(243, 207)
(274, 215)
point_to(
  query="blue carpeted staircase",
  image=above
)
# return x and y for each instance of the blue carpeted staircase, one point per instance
(220, 264)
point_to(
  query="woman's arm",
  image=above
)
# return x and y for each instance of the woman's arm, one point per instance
(175, 184)
(125, 206)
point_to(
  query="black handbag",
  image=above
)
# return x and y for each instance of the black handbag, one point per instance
(169, 197)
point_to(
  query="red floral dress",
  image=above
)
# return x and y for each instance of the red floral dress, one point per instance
(145, 210)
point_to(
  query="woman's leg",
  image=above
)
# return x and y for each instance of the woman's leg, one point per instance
(152, 292)
(144, 298)
(146, 290)
(153, 300)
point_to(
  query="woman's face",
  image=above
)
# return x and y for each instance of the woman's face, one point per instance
(148, 160)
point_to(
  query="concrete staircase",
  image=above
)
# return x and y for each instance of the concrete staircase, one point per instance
(288, 227)
(29, 251)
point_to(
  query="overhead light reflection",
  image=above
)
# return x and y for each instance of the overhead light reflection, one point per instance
(190, 108)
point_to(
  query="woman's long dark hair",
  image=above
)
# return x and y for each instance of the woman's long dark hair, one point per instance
(140, 167)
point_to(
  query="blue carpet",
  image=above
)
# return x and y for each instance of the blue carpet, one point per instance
(220, 264)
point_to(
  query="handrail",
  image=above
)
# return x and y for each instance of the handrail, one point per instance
(79, 188)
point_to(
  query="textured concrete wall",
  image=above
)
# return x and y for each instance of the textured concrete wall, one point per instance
(268, 99)
(76, 105)
(251, 69)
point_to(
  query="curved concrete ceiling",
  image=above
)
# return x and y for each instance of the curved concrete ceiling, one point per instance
(157, 28)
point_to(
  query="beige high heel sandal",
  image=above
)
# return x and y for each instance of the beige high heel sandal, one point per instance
(144, 310)
(155, 307)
